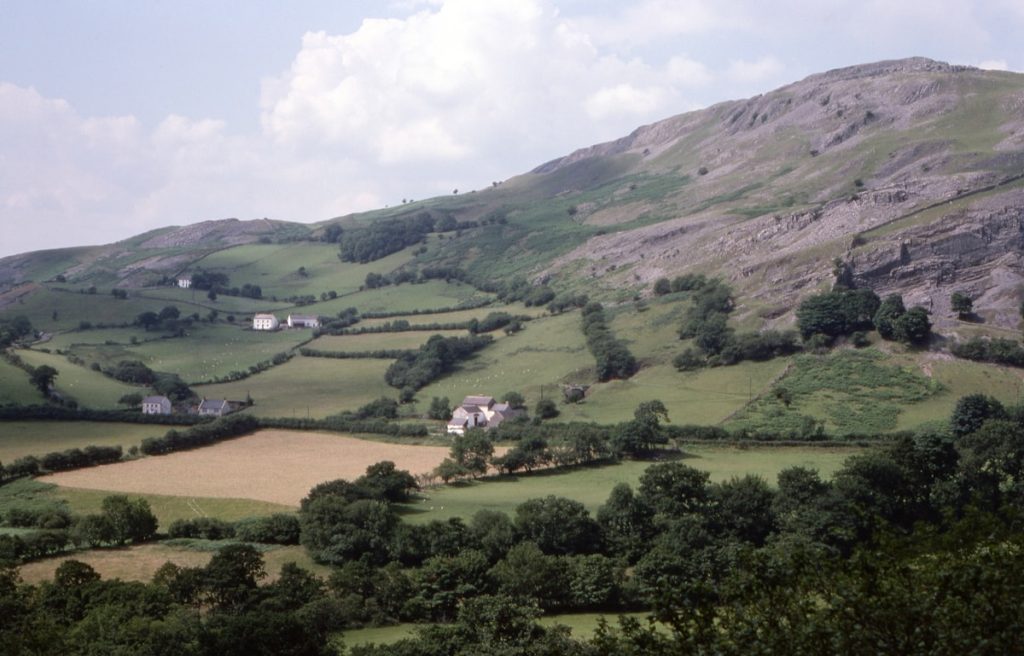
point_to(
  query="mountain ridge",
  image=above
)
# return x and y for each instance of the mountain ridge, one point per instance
(908, 170)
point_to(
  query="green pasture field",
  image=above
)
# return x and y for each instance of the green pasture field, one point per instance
(317, 386)
(402, 298)
(582, 626)
(847, 391)
(140, 562)
(958, 378)
(206, 352)
(15, 386)
(548, 351)
(458, 316)
(66, 340)
(274, 267)
(29, 493)
(652, 335)
(195, 300)
(72, 308)
(25, 438)
(380, 341)
(706, 396)
(592, 485)
(90, 388)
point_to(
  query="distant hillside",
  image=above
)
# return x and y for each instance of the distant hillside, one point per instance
(909, 171)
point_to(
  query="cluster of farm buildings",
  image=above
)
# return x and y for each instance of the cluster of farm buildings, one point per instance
(474, 411)
(161, 405)
(269, 321)
(480, 412)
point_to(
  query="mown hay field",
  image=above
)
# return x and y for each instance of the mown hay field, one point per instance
(140, 563)
(272, 465)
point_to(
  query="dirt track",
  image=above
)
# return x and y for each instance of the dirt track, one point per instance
(272, 465)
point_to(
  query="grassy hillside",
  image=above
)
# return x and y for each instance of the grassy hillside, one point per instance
(315, 387)
(207, 352)
(89, 388)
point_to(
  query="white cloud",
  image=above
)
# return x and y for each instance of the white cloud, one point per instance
(70, 180)
(994, 65)
(687, 72)
(624, 100)
(466, 80)
(754, 71)
(640, 23)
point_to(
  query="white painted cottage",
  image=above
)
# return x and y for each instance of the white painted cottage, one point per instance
(185, 282)
(156, 405)
(265, 322)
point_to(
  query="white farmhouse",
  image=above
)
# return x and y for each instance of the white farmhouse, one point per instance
(265, 322)
(479, 412)
(156, 405)
(185, 282)
(303, 321)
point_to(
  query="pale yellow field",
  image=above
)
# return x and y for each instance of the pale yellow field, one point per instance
(140, 562)
(272, 465)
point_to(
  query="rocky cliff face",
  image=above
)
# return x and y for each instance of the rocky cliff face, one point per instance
(908, 170)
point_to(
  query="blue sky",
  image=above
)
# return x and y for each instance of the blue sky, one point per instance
(118, 117)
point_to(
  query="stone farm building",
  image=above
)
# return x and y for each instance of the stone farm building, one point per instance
(480, 412)
(156, 405)
(214, 408)
(303, 321)
(265, 322)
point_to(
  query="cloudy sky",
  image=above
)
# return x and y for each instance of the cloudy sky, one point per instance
(120, 116)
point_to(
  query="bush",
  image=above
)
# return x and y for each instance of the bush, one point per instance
(279, 528)
(205, 528)
(546, 409)
(689, 360)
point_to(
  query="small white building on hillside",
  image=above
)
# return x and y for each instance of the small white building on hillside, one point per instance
(265, 322)
(185, 282)
(303, 321)
(156, 405)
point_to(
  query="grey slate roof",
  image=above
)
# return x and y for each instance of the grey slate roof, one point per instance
(156, 399)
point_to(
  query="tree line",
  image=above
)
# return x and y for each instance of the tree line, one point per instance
(612, 356)
(433, 359)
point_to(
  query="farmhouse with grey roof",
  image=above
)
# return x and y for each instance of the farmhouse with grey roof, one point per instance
(480, 412)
